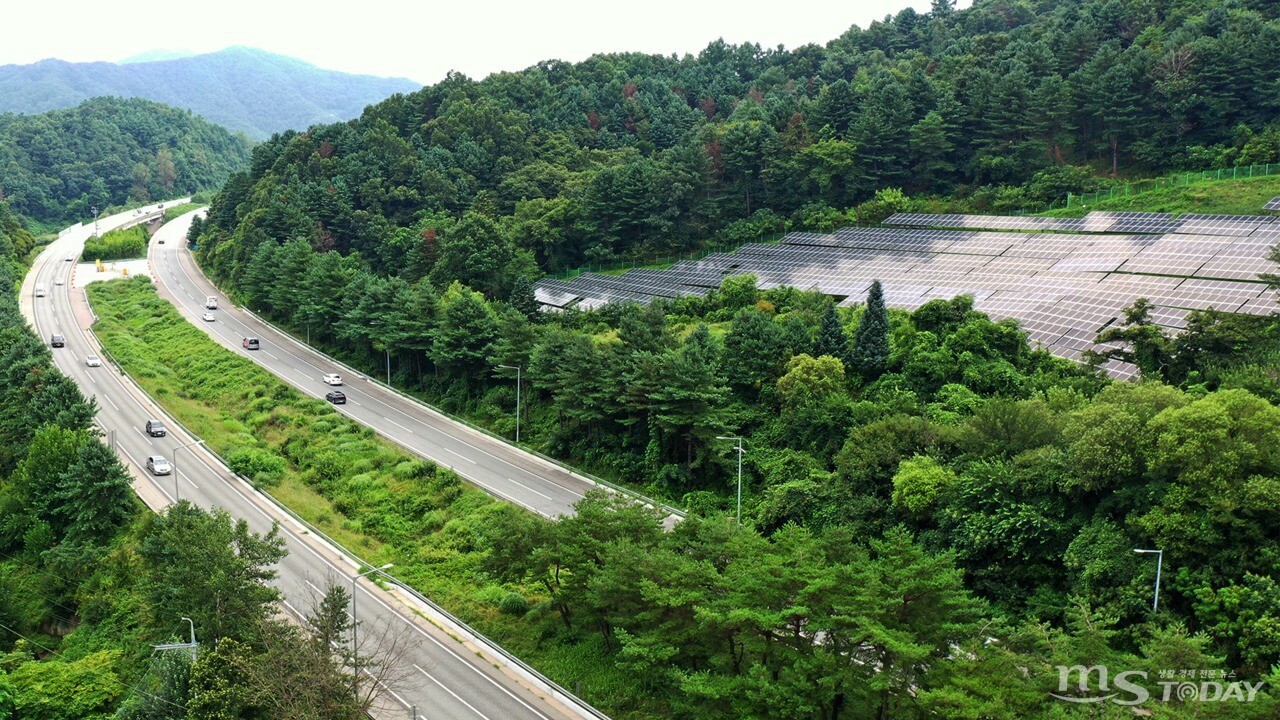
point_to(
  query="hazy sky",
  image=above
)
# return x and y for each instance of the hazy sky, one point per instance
(422, 40)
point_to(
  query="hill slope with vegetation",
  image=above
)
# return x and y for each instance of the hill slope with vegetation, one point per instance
(243, 89)
(107, 152)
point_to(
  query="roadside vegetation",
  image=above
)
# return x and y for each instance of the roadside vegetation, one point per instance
(959, 435)
(122, 244)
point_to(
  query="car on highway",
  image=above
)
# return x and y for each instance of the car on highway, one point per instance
(211, 302)
(337, 397)
(57, 281)
(208, 317)
(92, 361)
(160, 241)
(158, 465)
(40, 290)
(250, 343)
(332, 379)
(56, 340)
(155, 428)
(66, 259)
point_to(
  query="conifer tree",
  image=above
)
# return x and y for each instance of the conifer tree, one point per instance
(871, 342)
(523, 298)
(832, 340)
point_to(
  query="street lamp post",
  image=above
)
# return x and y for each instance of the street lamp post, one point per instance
(738, 440)
(177, 494)
(355, 624)
(517, 369)
(1155, 602)
(95, 220)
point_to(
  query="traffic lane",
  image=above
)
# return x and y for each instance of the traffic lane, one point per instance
(456, 673)
(512, 474)
(417, 433)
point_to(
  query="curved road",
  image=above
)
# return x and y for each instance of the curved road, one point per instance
(497, 467)
(442, 676)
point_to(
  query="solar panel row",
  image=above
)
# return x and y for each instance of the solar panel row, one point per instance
(1063, 288)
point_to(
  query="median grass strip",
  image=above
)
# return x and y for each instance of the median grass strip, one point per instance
(372, 496)
(177, 211)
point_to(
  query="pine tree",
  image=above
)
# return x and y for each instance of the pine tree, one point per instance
(523, 298)
(871, 343)
(832, 340)
(94, 497)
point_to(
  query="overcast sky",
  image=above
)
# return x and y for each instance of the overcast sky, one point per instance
(425, 39)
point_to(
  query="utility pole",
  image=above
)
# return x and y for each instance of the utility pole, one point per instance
(1155, 601)
(176, 491)
(192, 646)
(517, 369)
(738, 440)
(355, 624)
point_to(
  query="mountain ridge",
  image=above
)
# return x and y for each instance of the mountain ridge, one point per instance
(243, 89)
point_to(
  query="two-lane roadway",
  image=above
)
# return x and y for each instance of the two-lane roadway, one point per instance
(503, 470)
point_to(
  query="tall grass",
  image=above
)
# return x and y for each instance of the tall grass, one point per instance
(370, 495)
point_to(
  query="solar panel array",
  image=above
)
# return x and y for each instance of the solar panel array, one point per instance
(1063, 286)
(1273, 205)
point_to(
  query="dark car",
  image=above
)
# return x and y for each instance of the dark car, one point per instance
(336, 397)
(56, 340)
(156, 429)
(249, 343)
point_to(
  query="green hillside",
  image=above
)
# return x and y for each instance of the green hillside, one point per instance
(54, 167)
(1232, 197)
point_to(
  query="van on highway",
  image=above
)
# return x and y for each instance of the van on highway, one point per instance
(249, 343)
(40, 290)
(211, 303)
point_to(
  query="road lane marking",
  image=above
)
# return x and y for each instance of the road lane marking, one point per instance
(454, 694)
(393, 422)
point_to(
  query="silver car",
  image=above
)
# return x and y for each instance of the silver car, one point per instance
(92, 361)
(158, 465)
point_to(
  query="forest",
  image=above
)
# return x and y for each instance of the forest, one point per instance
(930, 455)
(106, 152)
(1003, 106)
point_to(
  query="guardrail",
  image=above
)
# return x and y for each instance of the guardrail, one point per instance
(621, 490)
(458, 625)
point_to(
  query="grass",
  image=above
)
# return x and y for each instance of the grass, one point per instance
(123, 244)
(179, 210)
(1234, 197)
(368, 494)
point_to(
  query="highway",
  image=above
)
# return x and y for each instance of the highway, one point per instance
(497, 467)
(444, 677)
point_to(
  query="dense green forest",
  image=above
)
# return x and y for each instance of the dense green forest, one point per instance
(89, 580)
(1005, 104)
(106, 152)
(240, 88)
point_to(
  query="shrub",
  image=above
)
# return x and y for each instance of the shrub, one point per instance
(117, 245)
(513, 604)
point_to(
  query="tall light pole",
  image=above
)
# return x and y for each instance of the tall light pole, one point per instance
(517, 369)
(176, 492)
(355, 624)
(1155, 602)
(740, 451)
(95, 220)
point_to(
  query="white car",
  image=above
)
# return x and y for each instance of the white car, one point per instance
(208, 317)
(92, 361)
(57, 281)
(158, 465)
(333, 379)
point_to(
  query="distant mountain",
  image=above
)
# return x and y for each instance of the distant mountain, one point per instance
(157, 55)
(253, 91)
(55, 166)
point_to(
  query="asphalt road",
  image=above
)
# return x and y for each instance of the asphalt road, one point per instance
(501, 469)
(440, 675)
